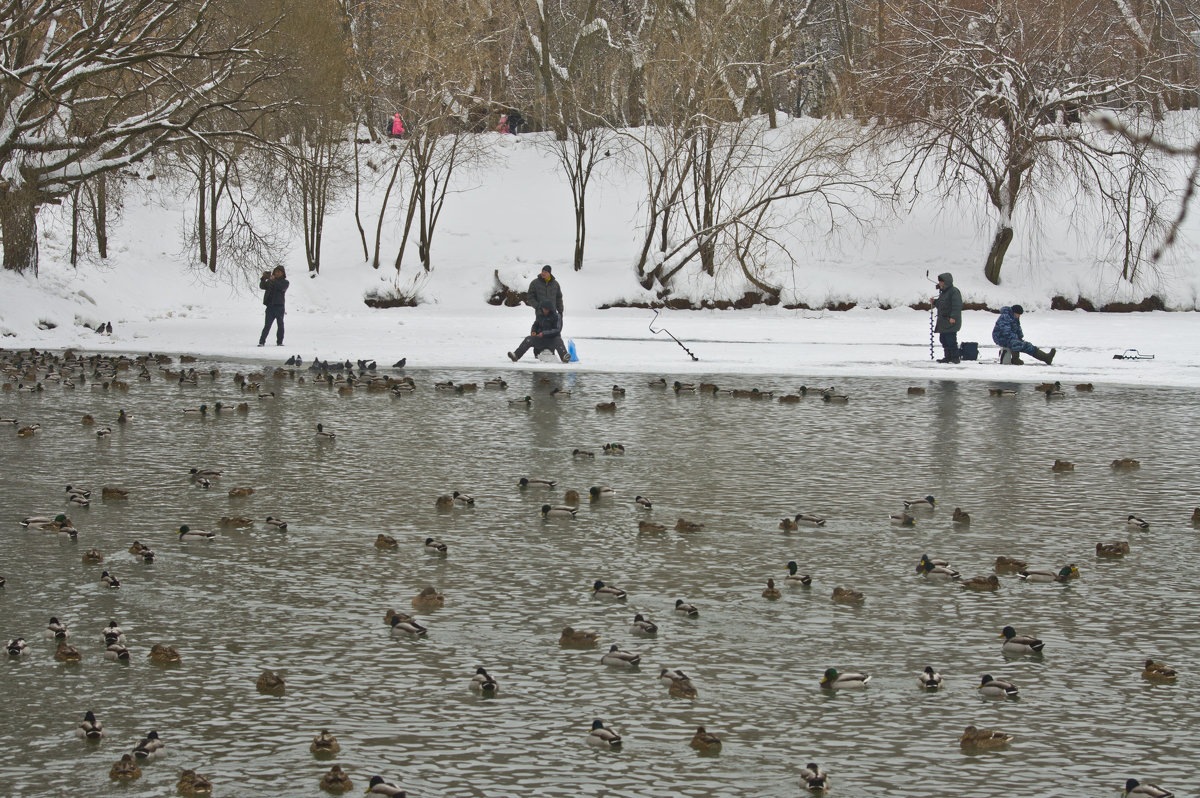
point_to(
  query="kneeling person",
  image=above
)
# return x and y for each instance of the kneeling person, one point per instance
(545, 334)
(1008, 334)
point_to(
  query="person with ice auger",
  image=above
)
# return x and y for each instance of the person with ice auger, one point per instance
(1007, 334)
(546, 333)
(948, 304)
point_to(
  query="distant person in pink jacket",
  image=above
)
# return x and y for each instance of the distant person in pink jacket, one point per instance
(397, 126)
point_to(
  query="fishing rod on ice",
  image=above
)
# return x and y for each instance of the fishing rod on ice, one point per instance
(673, 338)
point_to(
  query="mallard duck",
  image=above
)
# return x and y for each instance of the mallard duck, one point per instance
(1061, 466)
(185, 532)
(77, 500)
(614, 448)
(602, 737)
(617, 390)
(71, 490)
(682, 688)
(844, 595)
(929, 679)
(704, 742)
(683, 387)
(1009, 565)
(277, 523)
(684, 525)
(378, 786)
(1137, 523)
(571, 498)
(1086, 387)
(527, 482)
(13, 421)
(642, 627)
(192, 783)
(1158, 672)
(1118, 548)
(661, 382)
(1006, 393)
(56, 630)
(444, 502)
(162, 654)
(560, 393)
(835, 398)
(1020, 644)
(583, 453)
(29, 431)
(771, 592)
(1135, 788)
(149, 748)
(813, 778)
(915, 390)
(463, 499)
(484, 684)
(577, 638)
(109, 581)
(89, 728)
(919, 505)
(495, 384)
(606, 407)
(45, 521)
(996, 688)
(435, 547)
(16, 647)
(603, 591)
(642, 503)
(407, 625)
(808, 519)
(650, 526)
(240, 493)
(1126, 464)
(67, 652)
(902, 519)
(523, 401)
(336, 781)
(558, 511)
(960, 516)
(833, 680)
(788, 525)
(794, 578)
(207, 473)
(1064, 574)
(271, 683)
(109, 492)
(113, 633)
(620, 659)
(93, 557)
(324, 434)
(983, 738)
(202, 410)
(122, 417)
(598, 492)
(116, 652)
(669, 676)
(685, 609)
(125, 770)
(937, 570)
(982, 583)
(324, 745)
(429, 598)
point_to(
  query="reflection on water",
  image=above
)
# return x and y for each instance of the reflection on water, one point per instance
(309, 603)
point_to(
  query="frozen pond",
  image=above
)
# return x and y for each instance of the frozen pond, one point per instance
(309, 603)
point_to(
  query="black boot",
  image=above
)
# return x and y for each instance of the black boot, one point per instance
(1045, 357)
(1016, 359)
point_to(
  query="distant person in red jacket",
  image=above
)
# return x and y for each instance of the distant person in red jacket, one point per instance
(397, 129)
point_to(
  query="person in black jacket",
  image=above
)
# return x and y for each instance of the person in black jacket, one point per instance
(949, 317)
(274, 285)
(544, 288)
(545, 334)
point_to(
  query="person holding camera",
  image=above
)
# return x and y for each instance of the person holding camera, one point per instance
(274, 285)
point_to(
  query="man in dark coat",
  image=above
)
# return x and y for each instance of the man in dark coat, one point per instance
(544, 288)
(1008, 334)
(274, 286)
(949, 317)
(546, 333)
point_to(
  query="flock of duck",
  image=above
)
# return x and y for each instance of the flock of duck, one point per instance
(31, 371)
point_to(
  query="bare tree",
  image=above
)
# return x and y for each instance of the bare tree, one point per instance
(994, 92)
(88, 88)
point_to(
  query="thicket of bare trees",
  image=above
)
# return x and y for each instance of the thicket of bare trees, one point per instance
(992, 98)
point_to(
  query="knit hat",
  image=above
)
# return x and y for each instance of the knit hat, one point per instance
(546, 269)
(1018, 310)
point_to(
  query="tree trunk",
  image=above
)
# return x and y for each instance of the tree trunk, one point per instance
(201, 208)
(357, 190)
(382, 211)
(995, 258)
(100, 215)
(18, 226)
(75, 227)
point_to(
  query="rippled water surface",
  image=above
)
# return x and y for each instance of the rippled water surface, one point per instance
(309, 603)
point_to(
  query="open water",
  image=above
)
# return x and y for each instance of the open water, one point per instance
(309, 603)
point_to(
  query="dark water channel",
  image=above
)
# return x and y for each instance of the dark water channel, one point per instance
(309, 603)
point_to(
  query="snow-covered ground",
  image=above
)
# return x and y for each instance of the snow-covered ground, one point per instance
(513, 213)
